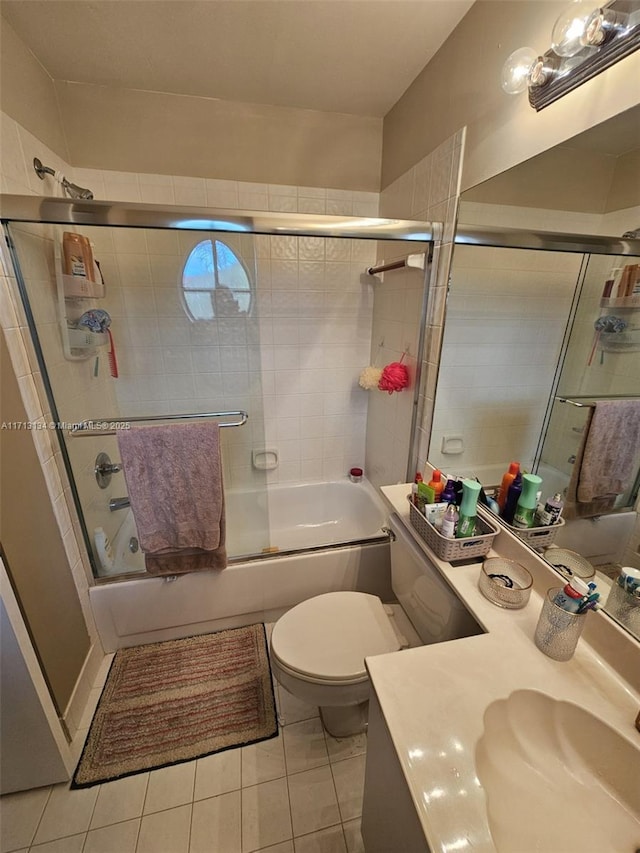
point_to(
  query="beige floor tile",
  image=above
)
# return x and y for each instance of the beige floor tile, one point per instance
(165, 832)
(170, 787)
(305, 746)
(352, 833)
(285, 847)
(313, 800)
(70, 844)
(120, 800)
(218, 774)
(349, 779)
(346, 747)
(66, 813)
(266, 819)
(216, 824)
(121, 837)
(19, 817)
(264, 761)
(326, 841)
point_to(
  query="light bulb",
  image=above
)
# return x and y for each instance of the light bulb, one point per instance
(515, 71)
(568, 31)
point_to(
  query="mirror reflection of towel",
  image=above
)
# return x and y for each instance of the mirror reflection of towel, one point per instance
(607, 459)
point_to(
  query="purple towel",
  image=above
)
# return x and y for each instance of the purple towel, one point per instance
(611, 448)
(174, 477)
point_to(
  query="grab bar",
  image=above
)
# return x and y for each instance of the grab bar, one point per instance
(112, 427)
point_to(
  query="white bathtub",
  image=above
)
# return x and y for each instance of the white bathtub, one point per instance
(133, 611)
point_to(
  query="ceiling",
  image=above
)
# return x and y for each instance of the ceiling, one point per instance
(347, 56)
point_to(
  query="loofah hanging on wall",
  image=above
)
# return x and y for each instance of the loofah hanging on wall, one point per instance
(395, 377)
(370, 377)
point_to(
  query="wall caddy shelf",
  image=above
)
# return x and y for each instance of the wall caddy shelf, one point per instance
(78, 344)
(620, 302)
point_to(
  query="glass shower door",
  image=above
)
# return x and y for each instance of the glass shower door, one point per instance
(185, 338)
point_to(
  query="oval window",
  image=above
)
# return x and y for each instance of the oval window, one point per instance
(215, 282)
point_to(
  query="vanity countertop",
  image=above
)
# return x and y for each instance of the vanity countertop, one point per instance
(433, 698)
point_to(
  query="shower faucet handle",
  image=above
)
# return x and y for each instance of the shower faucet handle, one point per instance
(104, 468)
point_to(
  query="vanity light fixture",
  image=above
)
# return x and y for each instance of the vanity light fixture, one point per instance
(585, 41)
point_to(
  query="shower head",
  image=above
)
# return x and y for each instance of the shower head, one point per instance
(72, 190)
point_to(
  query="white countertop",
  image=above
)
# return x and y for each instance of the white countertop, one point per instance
(433, 698)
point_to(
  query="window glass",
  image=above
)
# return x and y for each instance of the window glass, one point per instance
(215, 282)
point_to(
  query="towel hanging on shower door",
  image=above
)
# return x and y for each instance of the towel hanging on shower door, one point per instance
(174, 478)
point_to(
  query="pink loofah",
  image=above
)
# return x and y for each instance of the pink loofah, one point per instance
(395, 377)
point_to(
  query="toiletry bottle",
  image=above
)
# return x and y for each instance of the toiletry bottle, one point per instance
(414, 489)
(449, 521)
(551, 511)
(78, 257)
(513, 496)
(524, 515)
(507, 478)
(571, 595)
(437, 485)
(468, 509)
(449, 493)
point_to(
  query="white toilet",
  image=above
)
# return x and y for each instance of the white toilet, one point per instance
(319, 646)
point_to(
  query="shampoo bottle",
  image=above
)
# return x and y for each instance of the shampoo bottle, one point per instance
(551, 512)
(513, 496)
(449, 521)
(468, 509)
(524, 515)
(449, 493)
(78, 257)
(507, 478)
(437, 485)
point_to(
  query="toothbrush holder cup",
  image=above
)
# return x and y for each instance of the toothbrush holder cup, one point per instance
(558, 630)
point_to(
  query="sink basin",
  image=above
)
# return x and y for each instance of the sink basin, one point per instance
(557, 778)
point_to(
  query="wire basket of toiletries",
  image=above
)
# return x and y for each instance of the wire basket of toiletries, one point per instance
(537, 537)
(453, 549)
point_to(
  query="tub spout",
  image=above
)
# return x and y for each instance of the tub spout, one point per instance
(118, 503)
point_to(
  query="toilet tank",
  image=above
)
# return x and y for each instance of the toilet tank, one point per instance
(435, 611)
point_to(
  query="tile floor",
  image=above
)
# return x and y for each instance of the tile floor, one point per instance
(298, 793)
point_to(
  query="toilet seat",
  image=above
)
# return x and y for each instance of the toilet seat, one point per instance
(326, 638)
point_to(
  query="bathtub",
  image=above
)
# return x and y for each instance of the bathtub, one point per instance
(338, 523)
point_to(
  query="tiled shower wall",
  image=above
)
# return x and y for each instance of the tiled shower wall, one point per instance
(506, 317)
(428, 191)
(292, 364)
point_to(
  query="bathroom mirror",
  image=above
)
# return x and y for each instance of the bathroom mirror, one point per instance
(521, 339)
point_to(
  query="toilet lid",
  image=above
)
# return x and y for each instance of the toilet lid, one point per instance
(330, 635)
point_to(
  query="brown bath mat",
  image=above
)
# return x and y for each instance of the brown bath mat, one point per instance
(170, 702)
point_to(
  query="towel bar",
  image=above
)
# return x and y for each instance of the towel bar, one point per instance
(110, 426)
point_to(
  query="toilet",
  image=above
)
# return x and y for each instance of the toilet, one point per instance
(318, 648)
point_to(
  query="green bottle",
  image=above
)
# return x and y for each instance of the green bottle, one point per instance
(468, 509)
(524, 515)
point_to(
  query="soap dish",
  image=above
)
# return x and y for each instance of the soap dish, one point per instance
(505, 583)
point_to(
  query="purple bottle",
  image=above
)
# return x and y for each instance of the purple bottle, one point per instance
(513, 496)
(448, 495)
